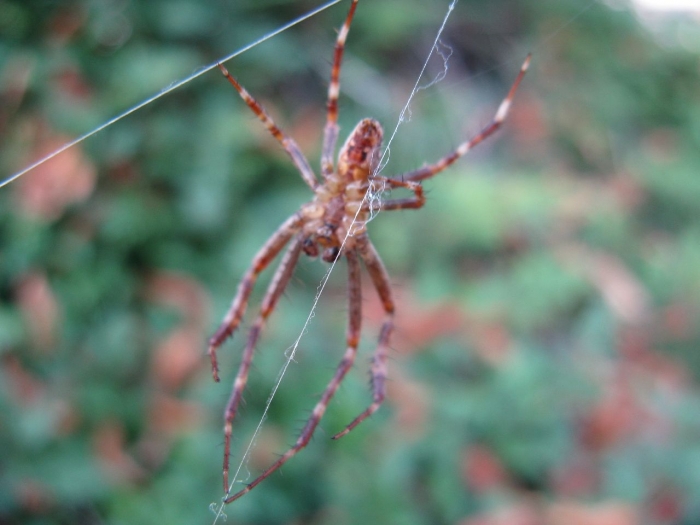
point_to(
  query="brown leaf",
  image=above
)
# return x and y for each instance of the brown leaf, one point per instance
(607, 513)
(616, 415)
(181, 292)
(170, 416)
(68, 178)
(177, 357)
(523, 513)
(417, 324)
(40, 310)
(108, 442)
(576, 477)
(411, 402)
(624, 294)
(482, 470)
(25, 389)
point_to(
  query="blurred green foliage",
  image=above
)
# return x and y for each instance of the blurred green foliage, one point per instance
(545, 362)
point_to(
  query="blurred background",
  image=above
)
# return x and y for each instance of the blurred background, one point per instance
(545, 361)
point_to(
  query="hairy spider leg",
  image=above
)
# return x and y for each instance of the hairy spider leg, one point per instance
(274, 292)
(240, 302)
(378, 369)
(352, 338)
(435, 168)
(288, 143)
(330, 132)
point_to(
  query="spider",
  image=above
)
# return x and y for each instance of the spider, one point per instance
(333, 225)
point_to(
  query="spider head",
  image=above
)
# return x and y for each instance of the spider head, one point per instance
(360, 154)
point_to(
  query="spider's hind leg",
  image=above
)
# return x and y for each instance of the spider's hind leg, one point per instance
(240, 302)
(352, 338)
(378, 369)
(274, 292)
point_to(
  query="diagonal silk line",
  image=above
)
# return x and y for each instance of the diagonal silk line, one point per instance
(165, 91)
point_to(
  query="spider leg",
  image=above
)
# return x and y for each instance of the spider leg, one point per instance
(417, 201)
(290, 146)
(330, 132)
(240, 302)
(274, 291)
(433, 169)
(378, 369)
(353, 337)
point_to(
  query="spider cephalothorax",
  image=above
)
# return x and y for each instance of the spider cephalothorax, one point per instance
(333, 224)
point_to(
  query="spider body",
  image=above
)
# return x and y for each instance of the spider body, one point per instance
(332, 224)
(336, 210)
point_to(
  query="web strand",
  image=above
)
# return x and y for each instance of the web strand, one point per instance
(383, 161)
(165, 91)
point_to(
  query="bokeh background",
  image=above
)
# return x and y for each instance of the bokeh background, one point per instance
(545, 362)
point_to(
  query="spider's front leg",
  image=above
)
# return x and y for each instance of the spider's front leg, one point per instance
(288, 143)
(491, 128)
(240, 302)
(330, 132)
(353, 338)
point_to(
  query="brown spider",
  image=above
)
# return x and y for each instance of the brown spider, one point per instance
(333, 223)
